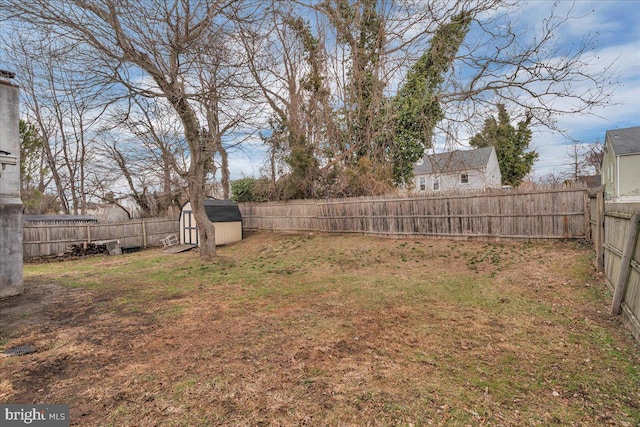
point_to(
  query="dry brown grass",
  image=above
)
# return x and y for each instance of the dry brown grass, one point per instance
(325, 330)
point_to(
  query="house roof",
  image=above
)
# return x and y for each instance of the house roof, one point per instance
(453, 161)
(624, 141)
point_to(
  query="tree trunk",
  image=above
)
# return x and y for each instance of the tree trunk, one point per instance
(225, 180)
(206, 229)
(197, 177)
(51, 162)
(167, 186)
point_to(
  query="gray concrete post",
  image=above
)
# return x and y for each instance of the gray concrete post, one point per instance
(10, 203)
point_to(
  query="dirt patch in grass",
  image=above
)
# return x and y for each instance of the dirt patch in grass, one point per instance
(325, 330)
(30, 307)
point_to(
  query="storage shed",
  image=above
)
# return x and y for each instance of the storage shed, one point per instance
(224, 214)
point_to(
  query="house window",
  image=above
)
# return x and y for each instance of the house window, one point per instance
(423, 183)
(436, 184)
(464, 178)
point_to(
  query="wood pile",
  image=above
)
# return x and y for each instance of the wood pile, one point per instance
(85, 249)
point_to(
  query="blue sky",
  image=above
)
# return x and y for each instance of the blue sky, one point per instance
(616, 25)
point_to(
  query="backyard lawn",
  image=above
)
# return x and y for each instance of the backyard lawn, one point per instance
(303, 329)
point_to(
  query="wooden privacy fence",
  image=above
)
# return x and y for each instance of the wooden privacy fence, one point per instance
(51, 238)
(560, 213)
(620, 248)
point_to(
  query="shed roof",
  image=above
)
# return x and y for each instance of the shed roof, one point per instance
(453, 161)
(59, 218)
(624, 141)
(222, 210)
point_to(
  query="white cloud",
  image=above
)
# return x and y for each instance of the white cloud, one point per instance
(248, 160)
(618, 43)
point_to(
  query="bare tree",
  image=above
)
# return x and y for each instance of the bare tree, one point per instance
(594, 157)
(64, 105)
(525, 68)
(577, 159)
(153, 50)
(328, 71)
(555, 179)
(501, 61)
(287, 63)
(227, 99)
(146, 154)
(372, 45)
(584, 158)
(38, 115)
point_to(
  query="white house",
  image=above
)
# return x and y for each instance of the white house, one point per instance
(621, 165)
(460, 170)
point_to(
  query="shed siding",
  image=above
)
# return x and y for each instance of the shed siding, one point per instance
(228, 232)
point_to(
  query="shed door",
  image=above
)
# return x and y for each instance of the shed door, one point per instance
(189, 231)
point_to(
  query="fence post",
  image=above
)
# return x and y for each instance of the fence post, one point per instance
(587, 217)
(625, 267)
(144, 235)
(48, 234)
(599, 231)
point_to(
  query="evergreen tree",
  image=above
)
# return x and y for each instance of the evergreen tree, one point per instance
(511, 144)
(32, 169)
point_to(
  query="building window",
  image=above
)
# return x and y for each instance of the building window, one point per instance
(464, 178)
(423, 183)
(436, 184)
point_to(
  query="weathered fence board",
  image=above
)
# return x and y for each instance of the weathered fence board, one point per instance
(46, 238)
(596, 224)
(624, 273)
(621, 250)
(547, 214)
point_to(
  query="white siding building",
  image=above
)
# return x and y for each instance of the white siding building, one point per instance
(621, 165)
(459, 170)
